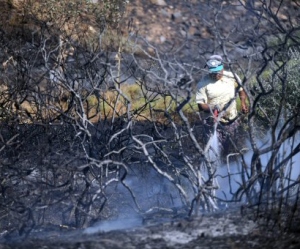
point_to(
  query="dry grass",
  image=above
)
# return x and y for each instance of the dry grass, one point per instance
(131, 100)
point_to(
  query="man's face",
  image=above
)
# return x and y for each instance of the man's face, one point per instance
(216, 75)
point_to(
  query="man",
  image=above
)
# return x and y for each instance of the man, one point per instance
(216, 95)
(218, 89)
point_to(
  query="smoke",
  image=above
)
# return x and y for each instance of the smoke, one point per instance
(214, 152)
(110, 225)
(153, 191)
(155, 195)
(229, 175)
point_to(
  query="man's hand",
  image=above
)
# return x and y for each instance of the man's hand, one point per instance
(244, 108)
(208, 108)
(204, 107)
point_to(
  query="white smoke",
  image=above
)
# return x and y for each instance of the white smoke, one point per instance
(110, 225)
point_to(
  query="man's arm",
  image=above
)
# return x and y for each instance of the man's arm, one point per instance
(243, 98)
(242, 94)
(201, 99)
(203, 107)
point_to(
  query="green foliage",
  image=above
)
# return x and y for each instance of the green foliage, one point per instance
(279, 88)
(293, 75)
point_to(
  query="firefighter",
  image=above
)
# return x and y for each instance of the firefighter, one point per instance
(216, 92)
(216, 95)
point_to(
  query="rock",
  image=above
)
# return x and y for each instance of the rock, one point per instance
(162, 39)
(159, 2)
(164, 12)
(176, 16)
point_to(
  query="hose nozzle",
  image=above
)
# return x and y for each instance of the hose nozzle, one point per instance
(216, 111)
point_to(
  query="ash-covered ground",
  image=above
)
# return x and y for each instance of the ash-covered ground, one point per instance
(233, 225)
(226, 229)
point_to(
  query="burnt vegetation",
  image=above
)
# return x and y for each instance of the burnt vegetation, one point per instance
(91, 110)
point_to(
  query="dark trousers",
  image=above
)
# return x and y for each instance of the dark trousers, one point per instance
(228, 135)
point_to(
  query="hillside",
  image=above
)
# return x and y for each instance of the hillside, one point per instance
(187, 28)
(197, 27)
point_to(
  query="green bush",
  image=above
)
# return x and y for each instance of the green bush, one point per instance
(280, 88)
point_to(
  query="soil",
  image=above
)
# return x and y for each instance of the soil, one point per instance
(219, 230)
